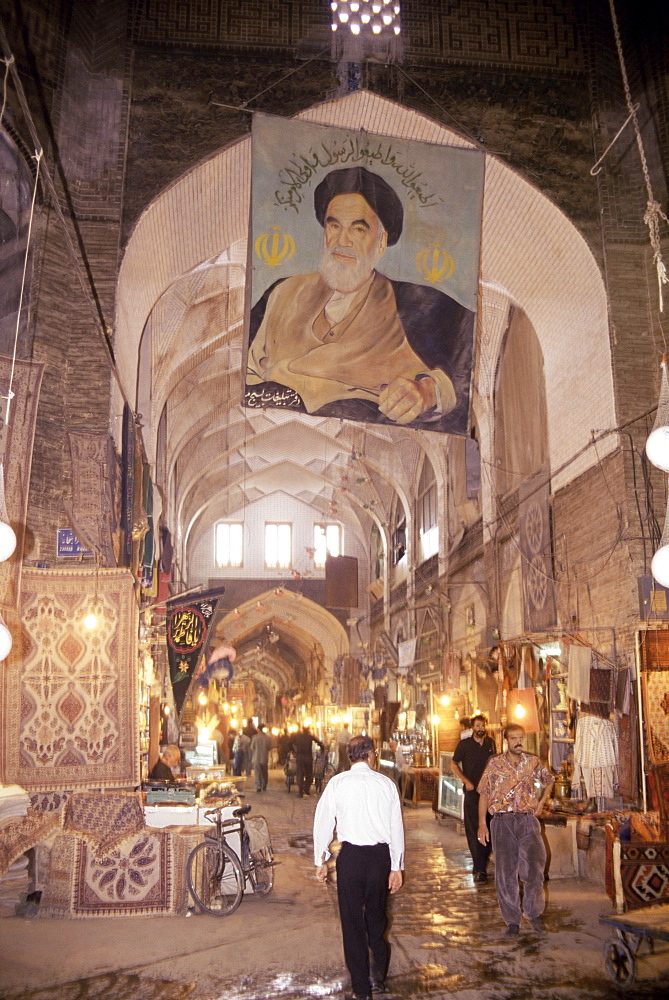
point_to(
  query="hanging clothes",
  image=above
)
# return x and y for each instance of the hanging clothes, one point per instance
(578, 675)
(596, 756)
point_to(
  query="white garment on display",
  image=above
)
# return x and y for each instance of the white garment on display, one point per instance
(596, 755)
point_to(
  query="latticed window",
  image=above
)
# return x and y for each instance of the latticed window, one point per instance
(229, 544)
(278, 545)
(327, 542)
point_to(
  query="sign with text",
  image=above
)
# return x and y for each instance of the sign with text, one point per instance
(68, 545)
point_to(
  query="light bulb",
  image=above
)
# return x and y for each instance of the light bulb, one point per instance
(445, 700)
(355, 28)
(7, 541)
(307, 721)
(5, 641)
(657, 448)
(659, 566)
(166, 710)
(202, 698)
(519, 712)
(435, 720)
(91, 621)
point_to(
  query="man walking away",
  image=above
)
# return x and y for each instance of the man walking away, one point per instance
(514, 788)
(365, 808)
(304, 759)
(260, 746)
(469, 761)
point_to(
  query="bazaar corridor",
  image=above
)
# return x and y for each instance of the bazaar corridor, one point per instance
(446, 936)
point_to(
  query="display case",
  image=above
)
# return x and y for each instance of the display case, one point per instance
(450, 800)
(560, 741)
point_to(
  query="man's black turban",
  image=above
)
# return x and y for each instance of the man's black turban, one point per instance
(377, 193)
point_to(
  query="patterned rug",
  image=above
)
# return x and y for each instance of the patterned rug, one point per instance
(655, 687)
(144, 877)
(18, 456)
(19, 837)
(70, 704)
(103, 821)
(91, 510)
(644, 873)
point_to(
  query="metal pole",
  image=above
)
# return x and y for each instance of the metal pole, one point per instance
(637, 646)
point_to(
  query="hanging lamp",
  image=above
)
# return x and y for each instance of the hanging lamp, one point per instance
(657, 445)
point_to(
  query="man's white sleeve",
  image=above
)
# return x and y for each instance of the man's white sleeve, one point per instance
(396, 834)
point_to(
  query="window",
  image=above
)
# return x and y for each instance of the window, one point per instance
(400, 540)
(327, 542)
(427, 512)
(229, 544)
(278, 546)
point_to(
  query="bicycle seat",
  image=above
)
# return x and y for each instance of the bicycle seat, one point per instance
(242, 811)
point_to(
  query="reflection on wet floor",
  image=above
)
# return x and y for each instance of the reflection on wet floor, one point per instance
(439, 914)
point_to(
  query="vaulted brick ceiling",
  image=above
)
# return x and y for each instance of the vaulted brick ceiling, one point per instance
(182, 287)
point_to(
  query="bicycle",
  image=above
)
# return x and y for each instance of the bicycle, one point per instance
(215, 873)
(323, 770)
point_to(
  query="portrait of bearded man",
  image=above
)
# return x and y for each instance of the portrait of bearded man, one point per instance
(346, 341)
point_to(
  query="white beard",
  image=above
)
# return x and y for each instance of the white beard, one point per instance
(343, 277)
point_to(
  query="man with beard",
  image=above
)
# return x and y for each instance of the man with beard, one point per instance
(468, 764)
(514, 789)
(349, 342)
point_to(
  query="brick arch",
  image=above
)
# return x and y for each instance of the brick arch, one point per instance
(531, 254)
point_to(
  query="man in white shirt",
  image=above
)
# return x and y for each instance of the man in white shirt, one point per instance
(365, 808)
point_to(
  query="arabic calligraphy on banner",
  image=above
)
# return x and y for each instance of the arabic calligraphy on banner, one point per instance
(355, 150)
(345, 310)
(187, 630)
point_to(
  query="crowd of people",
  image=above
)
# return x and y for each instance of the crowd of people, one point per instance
(504, 794)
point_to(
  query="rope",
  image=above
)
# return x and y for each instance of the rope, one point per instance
(8, 62)
(653, 209)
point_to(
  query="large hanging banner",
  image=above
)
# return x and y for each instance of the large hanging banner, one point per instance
(188, 625)
(364, 256)
(534, 531)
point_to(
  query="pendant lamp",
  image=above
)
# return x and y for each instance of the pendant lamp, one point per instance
(521, 709)
(657, 445)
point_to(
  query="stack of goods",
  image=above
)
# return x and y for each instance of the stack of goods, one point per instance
(14, 801)
(14, 881)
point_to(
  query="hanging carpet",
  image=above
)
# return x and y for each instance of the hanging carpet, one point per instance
(70, 694)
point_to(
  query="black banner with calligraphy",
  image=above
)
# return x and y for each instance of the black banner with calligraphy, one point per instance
(188, 625)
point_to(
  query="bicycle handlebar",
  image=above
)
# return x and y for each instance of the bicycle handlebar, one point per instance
(242, 811)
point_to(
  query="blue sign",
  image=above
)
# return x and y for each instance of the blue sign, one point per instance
(68, 545)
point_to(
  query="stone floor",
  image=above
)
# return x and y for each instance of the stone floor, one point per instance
(446, 936)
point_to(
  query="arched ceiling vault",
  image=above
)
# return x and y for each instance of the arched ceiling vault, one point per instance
(189, 301)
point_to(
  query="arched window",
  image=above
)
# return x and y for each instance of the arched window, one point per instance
(428, 521)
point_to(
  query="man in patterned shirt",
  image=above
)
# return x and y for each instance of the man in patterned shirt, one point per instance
(514, 788)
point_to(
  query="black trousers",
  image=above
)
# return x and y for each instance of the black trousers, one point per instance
(304, 768)
(362, 891)
(479, 852)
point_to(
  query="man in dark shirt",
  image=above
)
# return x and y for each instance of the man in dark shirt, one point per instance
(304, 759)
(469, 761)
(162, 769)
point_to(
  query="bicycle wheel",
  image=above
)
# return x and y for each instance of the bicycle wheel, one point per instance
(215, 878)
(261, 871)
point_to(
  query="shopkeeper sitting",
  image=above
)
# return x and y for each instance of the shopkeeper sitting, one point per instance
(162, 769)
